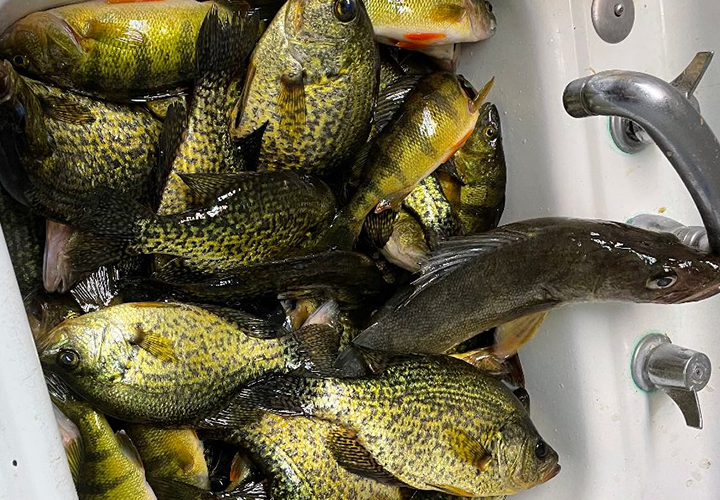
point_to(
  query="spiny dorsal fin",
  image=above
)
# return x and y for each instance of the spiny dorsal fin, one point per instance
(172, 136)
(250, 325)
(454, 253)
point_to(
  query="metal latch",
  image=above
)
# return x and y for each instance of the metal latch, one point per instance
(678, 372)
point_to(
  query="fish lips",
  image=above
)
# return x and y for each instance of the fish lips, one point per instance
(551, 473)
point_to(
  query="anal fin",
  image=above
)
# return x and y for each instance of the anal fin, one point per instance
(352, 455)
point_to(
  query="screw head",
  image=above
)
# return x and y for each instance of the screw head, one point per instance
(619, 9)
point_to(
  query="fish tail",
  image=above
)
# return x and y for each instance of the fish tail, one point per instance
(109, 225)
(171, 488)
(357, 361)
(280, 394)
(316, 348)
(225, 40)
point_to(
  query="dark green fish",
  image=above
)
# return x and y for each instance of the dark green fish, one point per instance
(474, 283)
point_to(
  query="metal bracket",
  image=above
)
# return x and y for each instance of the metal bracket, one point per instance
(630, 137)
(678, 372)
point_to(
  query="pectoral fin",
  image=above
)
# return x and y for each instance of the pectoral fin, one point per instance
(351, 454)
(292, 105)
(155, 344)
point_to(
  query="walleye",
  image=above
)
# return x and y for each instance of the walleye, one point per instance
(437, 423)
(169, 363)
(436, 119)
(474, 283)
(312, 81)
(420, 24)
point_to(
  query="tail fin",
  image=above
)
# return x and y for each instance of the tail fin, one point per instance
(108, 224)
(225, 41)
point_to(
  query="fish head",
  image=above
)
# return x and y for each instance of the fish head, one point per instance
(523, 458)
(636, 265)
(41, 44)
(86, 351)
(482, 20)
(483, 147)
(326, 20)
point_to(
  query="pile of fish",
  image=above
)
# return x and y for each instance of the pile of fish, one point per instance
(259, 250)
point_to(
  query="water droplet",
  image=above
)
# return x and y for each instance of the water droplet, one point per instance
(705, 464)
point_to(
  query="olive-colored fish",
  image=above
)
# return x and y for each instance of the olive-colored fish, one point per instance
(175, 454)
(312, 81)
(436, 495)
(247, 218)
(419, 24)
(204, 143)
(474, 283)
(69, 144)
(406, 247)
(432, 208)
(24, 236)
(480, 165)
(170, 363)
(436, 119)
(107, 465)
(433, 423)
(294, 454)
(115, 49)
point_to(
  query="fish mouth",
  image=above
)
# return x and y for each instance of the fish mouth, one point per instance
(551, 473)
(482, 20)
(467, 88)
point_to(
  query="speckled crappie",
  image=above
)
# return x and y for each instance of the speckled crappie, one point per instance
(169, 363)
(432, 208)
(247, 218)
(480, 165)
(200, 142)
(59, 146)
(295, 455)
(433, 423)
(312, 80)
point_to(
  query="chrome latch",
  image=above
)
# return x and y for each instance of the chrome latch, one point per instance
(679, 372)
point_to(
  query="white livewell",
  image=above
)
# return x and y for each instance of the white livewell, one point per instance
(615, 441)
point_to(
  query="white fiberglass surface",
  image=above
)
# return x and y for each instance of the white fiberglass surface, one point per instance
(614, 441)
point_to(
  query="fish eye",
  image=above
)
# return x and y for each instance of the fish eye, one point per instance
(68, 359)
(490, 132)
(19, 61)
(541, 449)
(345, 10)
(665, 280)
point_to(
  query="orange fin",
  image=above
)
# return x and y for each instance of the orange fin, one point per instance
(511, 336)
(424, 37)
